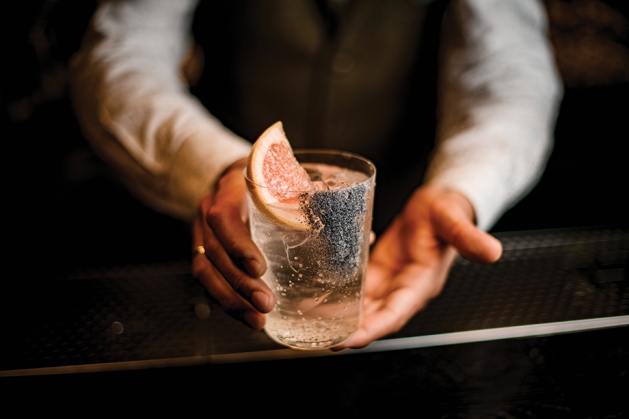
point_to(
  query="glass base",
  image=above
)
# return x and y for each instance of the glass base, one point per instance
(307, 345)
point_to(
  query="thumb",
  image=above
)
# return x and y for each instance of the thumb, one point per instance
(453, 218)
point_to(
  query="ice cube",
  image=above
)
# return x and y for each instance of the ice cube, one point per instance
(314, 174)
(321, 185)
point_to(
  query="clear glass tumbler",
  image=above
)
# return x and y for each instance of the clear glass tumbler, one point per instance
(317, 249)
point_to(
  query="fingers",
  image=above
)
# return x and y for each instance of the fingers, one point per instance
(250, 287)
(452, 216)
(229, 246)
(414, 287)
(383, 317)
(224, 218)
(411, 261)
(231, 266)
(233, 303)
(229, 232)
(473, 244)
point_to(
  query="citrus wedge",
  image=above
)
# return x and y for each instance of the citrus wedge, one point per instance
(276, 178)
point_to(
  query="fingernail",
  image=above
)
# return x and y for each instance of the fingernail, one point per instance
(261, 301)
(253, 268)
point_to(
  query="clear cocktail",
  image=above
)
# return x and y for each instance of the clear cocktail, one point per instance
(316, 243)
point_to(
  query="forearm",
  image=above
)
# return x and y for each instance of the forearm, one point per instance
(134, 108)
(499, 93)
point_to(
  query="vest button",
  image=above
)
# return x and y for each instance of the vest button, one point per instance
(343, 63)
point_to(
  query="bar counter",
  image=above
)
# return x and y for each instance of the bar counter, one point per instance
(541, 333)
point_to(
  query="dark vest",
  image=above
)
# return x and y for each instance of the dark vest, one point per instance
(360, 77)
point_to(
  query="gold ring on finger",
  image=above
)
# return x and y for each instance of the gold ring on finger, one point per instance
(199, 250)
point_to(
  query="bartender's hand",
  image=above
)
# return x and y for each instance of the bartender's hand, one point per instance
(231, 267)
(411, 260)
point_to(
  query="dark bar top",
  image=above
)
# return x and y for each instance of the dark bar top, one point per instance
(542, 333)
(547, 282)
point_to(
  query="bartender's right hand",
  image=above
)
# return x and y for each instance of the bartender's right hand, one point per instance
(232, 265)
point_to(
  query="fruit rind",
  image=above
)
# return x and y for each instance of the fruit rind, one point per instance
(287, 215)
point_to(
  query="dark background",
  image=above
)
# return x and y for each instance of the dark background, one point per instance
(587, 177)
(60, 193)
(66, 211)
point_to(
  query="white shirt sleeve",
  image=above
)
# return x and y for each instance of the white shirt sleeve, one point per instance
(132, 103)
(499, 97)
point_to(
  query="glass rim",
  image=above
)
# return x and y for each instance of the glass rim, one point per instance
(330, 152)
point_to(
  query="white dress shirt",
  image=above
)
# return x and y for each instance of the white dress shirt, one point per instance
(499, 97)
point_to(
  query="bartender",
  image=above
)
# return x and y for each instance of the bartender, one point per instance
(340, 74)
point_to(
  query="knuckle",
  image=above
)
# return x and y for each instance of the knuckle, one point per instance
(212, 248)
(234, 247)
(217, 212)
(457, 232)
(213, 214)
(239, 282)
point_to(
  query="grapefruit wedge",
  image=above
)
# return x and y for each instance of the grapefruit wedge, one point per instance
(276, 180)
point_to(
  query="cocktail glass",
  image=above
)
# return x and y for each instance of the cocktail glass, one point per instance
(317, 250)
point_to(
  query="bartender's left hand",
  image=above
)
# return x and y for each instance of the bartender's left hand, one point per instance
(410, 262)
